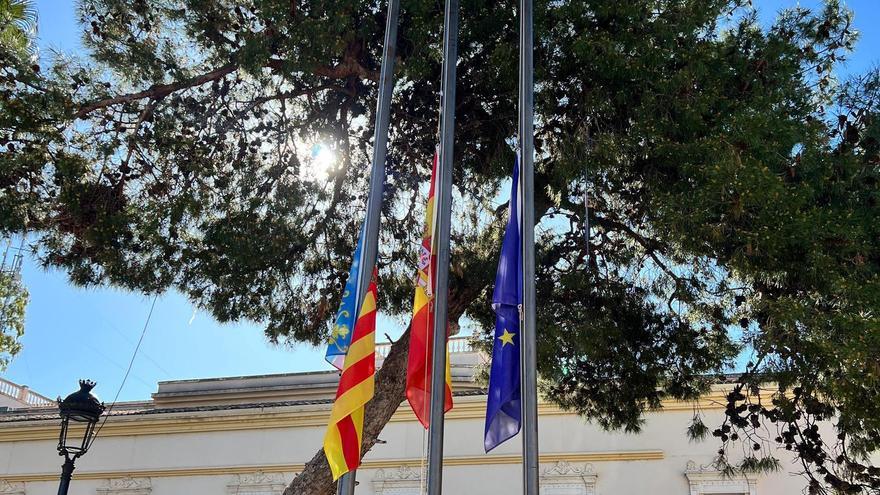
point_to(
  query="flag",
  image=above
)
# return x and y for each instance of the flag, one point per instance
(340, 337)
(418, 369)
(503, 408)
(342, 443)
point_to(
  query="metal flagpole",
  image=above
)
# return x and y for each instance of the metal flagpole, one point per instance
(527, 183)
(443, 207)
(377, 181)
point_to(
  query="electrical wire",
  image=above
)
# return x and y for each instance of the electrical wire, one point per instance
(127, 371)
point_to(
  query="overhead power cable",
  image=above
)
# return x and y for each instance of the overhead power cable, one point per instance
(127, 371)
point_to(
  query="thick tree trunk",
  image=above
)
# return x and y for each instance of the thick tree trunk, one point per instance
(315, 478)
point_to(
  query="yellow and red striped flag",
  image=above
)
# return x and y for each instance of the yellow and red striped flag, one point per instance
(418, 376)
(342, 443)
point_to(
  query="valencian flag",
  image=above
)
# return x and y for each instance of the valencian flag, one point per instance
(418, 369)
(342, 443)
(503, 409)
(340, 338)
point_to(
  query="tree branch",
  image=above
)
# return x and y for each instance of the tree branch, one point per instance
(348, 68)
(157, 91)
(144, 115)
(650, 246)
(286, 95)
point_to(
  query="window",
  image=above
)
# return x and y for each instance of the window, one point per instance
(708, 481)
(563, 478)
(258, 483)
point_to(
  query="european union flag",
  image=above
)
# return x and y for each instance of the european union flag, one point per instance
(340, 338)
(503, 411)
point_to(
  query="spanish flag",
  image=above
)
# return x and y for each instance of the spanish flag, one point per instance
(342, 443)
(418, 376)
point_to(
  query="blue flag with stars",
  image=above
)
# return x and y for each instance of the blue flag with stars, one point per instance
(503, 409)
(340, 337)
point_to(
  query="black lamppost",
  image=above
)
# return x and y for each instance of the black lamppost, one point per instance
(83, 409)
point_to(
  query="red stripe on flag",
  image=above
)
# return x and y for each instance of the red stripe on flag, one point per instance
(350, 444)
(418, 378)
(356, 373)
(418, 381)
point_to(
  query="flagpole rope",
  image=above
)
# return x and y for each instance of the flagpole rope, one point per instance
(586, 223)
(422, 481)
(587, 215)
(423, 459)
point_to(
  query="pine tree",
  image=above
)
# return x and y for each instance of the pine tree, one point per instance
(733, 187)
(18, 24)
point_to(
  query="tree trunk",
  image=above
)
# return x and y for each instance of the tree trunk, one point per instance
(315, 478)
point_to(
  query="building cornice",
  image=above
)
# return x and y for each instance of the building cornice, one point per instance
(479, 460)
(256, 418)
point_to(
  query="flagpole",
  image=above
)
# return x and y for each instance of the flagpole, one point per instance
(443, 206)
(370, 248)
(529, 345)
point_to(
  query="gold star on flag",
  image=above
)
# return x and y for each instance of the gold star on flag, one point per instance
(506, 338)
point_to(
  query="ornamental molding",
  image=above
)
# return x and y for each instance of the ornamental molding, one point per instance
(402, 480)
(126, 486)
(565, 478)
(257, 483)
(707, 480)
(565, 468)
(7, 488)
(400, 473)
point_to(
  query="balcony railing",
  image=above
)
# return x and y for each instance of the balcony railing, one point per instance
(456, 345)
(23, 394)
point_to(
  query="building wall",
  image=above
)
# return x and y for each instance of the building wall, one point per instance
(10, 402)
(256, 452)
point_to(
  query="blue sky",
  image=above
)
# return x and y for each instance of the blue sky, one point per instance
(76, 333)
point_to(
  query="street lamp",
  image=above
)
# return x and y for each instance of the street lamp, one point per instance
(83, 409)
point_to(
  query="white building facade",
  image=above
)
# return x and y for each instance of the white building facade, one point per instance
(251, 435)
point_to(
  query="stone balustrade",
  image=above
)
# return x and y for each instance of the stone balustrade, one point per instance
(23, 394)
